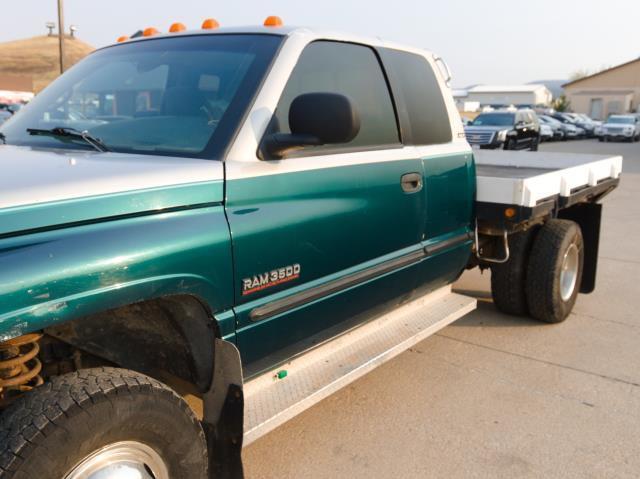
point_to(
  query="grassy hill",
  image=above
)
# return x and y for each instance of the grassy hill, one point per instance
(38, 57)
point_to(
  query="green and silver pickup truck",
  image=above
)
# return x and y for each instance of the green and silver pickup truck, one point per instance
(204, 233)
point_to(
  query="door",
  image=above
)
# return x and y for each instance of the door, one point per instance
(595, 110)
(328, 234)
(449, 172)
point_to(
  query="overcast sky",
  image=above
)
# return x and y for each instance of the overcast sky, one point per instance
(484, 41)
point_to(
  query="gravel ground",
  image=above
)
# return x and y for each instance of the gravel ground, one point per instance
(493, 395)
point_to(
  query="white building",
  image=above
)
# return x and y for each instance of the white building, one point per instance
(462, 103)
(517, 95)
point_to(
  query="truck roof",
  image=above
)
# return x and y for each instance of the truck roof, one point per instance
(287, 31)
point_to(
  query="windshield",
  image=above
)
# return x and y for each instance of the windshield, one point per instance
(494, 119)
(621, 119)
(179, 96)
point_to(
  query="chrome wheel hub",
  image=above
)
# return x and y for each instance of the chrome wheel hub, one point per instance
(121, 460)
(569, 272)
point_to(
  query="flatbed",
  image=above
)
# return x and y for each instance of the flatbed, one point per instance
(536, 184)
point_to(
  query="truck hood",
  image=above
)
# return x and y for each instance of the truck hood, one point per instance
(40, 188)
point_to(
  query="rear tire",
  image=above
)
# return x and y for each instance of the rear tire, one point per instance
(74, 418)
(554, 272)
(508, 280)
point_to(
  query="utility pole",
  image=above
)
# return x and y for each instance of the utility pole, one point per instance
(61, 35)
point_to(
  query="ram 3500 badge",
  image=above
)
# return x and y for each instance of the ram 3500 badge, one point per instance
(271, 278)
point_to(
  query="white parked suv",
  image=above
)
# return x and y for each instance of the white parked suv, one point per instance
(621, 127)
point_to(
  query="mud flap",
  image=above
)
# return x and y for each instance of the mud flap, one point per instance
(224, 414)
(588, 216)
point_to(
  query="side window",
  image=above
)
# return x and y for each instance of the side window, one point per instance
(415, 81)
(350, 70)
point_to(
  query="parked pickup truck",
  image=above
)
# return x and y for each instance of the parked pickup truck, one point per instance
(206, 232)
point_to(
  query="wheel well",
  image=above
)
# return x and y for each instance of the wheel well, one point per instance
(173, 334)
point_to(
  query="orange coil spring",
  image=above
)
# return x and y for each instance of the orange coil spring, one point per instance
(19, 366)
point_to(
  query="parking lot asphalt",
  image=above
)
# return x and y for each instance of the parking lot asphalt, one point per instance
(494, 395)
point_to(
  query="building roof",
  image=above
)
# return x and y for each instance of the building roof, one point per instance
(601, 72)
(531, 88)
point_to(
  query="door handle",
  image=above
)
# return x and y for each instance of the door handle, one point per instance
(411, 182)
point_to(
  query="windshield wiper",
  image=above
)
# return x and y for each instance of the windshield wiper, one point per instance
(72, 133)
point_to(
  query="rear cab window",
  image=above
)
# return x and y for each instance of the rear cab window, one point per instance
(424, 115)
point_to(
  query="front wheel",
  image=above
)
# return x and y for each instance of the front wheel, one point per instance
(101, 423)
(511, 144)
(554, 272)
(535, 142)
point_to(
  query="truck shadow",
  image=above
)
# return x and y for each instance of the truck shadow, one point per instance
(487, 316)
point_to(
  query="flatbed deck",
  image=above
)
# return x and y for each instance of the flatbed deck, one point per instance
(526, 179)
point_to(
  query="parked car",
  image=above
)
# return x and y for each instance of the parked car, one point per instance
(4, 116)
(15, 107)
(621, 127)
(559, 130)
(546, 132)
(584, 122)
(598, 131)
(511, 130)
(584, 129)
(570, 129)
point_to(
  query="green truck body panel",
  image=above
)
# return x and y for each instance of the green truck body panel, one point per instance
(53, 276)
(450, 189)
(93, 209)
(335, 222)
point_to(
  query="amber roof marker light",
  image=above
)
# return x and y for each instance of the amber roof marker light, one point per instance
(273, 21)
(177, 27)
(123, 38)
(510, 212)
(210, 24)
(150, 31)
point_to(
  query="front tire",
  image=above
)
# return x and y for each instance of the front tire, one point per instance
(554, 272)
(535, 142)
(86, 420)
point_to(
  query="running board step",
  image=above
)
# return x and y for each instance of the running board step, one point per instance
(271, 399)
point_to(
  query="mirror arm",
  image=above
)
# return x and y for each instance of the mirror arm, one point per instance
(277, 145)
